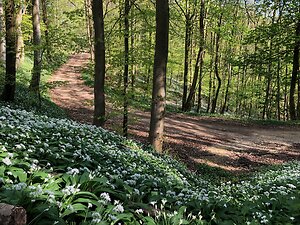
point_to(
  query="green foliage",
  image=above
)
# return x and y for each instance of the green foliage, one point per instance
(63, 172)
(138, 98)
(24, 99)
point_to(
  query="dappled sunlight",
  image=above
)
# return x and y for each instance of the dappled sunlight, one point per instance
(216, 165)
(225, 144)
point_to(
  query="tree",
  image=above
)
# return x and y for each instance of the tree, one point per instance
(159, 75)
(21, 9)
(2, 32)
(37, 61)
(295, 72)
(8, 93)
(99, 96)
(218, 36)
(199, 64)
(47, 26)
(126, 66)
(89, 26)
(189, 19)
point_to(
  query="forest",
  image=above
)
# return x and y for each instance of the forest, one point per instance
(149, 112)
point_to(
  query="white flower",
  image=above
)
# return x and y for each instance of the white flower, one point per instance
(153, 203)
(139, 211)
(291, 186)
(19, 186)
(112, 217)
(119, 208)
(6, 161)
(105, 196)
(71, 208)
(20, 146)
(70, 190)
(73, 172)
(96, 217)
(37, 191)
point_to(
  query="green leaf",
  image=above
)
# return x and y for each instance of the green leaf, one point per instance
(149, 221)
(19, 173)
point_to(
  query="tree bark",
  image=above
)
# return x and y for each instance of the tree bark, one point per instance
(37, 61)
(223, 109)
(210, 83)
(134, 67)
(215, 99)
(2, 35)
(12, 215)
(278, 95)
(292, 110)
(99, 96)
(20, 41)
(126, 66)
(47, 27)
(8, 93)
(187, 46)
(89, 26)
(198, 66)
(285, 104)
(159, 75)
(268, 88)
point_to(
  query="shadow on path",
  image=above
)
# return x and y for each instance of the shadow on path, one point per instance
(195, 140)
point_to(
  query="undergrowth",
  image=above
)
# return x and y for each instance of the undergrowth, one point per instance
(24, 99)
(63, 172)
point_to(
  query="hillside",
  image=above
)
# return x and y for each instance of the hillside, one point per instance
(64, 172)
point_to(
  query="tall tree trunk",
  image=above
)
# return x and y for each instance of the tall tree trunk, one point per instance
(269, 77)
(209, 92)
(89, 26)
(37, 61)
(285, 105)
(2, 35)
(278, 88)
(159, 75)
(47, 27)
(126, 65)
(99, 96)
(293, 115)
(132, 40)
(198, 66)
(187, 48)
(227, 91)
(199, 103)
(8, 93)
(215, 99)
(268, 88)
(20, 40)
(148, 66)
(210, 83)
(252, 81)
(237, 91)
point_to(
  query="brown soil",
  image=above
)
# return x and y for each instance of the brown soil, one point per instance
(195, 140)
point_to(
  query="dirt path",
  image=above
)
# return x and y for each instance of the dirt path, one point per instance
(226, 144)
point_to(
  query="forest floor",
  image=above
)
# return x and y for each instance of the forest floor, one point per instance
(227, 144)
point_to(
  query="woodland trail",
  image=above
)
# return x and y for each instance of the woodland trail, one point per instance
(227, 144)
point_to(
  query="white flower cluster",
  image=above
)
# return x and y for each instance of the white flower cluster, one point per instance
(70, 190)
(77, 148)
